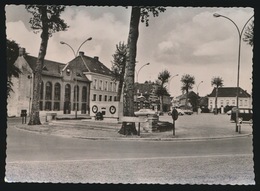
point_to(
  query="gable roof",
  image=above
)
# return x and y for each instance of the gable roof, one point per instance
(190, 94)
(144, 89)
(94, 65)
(51, 68)
(229, 92)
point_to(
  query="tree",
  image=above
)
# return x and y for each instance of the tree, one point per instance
(46, 19)
(249, 34)
(137, 14)
(163, 78)
(12, 52)
(187, 84)
(118, 66)
(217, 82)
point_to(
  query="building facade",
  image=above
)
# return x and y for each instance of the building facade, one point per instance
(227, 96)
(65, 88)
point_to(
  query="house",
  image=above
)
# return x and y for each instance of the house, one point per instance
(65, 88)
(103, 89)
(145, 97)
(192, 102)
(227, 96)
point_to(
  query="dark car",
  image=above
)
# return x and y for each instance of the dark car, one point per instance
(245, 113)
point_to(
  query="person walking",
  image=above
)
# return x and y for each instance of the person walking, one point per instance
(174, 118)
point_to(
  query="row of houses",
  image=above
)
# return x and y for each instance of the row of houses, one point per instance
(85, 86)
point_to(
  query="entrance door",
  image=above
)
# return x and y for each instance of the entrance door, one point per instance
(67, 107)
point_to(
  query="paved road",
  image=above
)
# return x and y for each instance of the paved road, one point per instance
(35, 157)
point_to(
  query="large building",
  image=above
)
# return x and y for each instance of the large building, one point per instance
(84, 85)
(227, 96)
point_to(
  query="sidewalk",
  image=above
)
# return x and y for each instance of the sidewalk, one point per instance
(194, 127)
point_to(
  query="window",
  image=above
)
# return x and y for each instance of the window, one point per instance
(111, 86)
(76, 93)
(233, 102)
(240, 102)
(57, 91)
(115, 98)
(115, 86)
(84, 94)
(47, 106)
(221, 102)
(105, 98)
(106, 86)
(100, 97)
(227, 102)
(41, 103)
(95, 84)
(56, 106)
(110, 98)
(245, 103)
(67, 92)
(100, 84)
(94, 97)
(48, 91)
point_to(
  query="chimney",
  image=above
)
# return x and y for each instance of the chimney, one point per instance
(96, 58)
(21, 51)
(81, 53)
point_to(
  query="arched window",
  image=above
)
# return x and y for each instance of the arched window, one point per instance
(67, 92)
(84, 100)
(76, 97)
(48, 96)
(84, 94)
(76, 93)
(48, 91)
(57, 91)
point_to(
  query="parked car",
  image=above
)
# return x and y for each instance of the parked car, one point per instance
(188, 111)
(229, 112)
(245, 113)
(180, 112)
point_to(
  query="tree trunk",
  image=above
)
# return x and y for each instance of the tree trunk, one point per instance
(186, 101)
(130, 70)
(37, 77)
(216, 102)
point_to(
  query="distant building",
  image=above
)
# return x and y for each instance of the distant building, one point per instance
(145, 97)
(227, 97)
(83, 81)
(192, 102)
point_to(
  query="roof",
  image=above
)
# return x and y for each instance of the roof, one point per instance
(49, 67)
(183, 96)
(145, 88)
(95, 66)
(229, 92)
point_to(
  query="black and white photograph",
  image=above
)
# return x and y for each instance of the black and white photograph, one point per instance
(129, 95)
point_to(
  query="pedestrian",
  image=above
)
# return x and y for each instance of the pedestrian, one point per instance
(174, 118)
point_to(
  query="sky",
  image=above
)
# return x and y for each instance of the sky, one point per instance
(182, 40)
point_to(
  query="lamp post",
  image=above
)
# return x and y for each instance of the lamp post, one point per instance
(75, 55)
(198, 87)
(171, 79)
(238, 65)
(30, 98)
(140, 69)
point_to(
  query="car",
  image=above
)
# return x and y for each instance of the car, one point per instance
(180, 112)
(245, 113)
(188, 112)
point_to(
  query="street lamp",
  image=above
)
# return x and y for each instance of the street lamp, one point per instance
(239, 50)
(75, 55)
(198, 87)
(139, 71)
(30, 98)
(171, 79)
